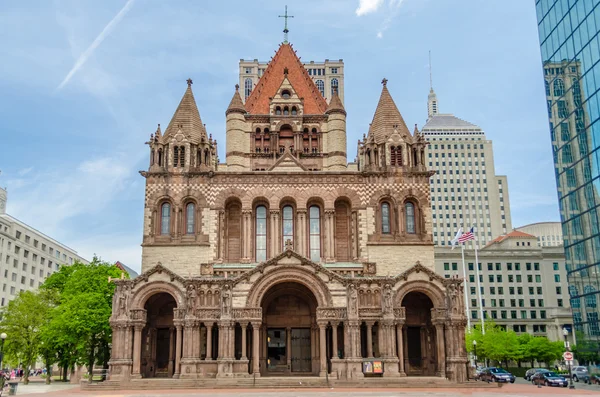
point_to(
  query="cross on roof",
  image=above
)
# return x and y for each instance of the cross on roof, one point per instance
(384, 81)
(190, 82)
(285, 29)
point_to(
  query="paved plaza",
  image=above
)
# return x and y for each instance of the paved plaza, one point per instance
(516, 390)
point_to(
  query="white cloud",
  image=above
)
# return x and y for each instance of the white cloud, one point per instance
(368, 6)
(394, 8)
(25, 171)
(90, 50)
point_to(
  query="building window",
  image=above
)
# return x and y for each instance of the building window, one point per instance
(410, 218)
(385, 218)
(590, 299)
(321, 87)
(190, 211)
(165, 219)
(287, 224)
(334, 86)
(261, 233)
(315, 233)
(575, 301)
(247, 87)
(559, 87)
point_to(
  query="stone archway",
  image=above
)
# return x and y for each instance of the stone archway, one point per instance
(419, 335)
(290, 334)
(158, 337)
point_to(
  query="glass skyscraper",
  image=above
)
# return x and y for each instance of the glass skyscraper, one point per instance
(570, 47)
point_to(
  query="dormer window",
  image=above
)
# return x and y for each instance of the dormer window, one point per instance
(285, 94)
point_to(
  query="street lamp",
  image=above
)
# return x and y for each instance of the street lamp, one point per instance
(3, 336)
(566, 334)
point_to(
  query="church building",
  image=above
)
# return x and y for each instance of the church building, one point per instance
(286, 259)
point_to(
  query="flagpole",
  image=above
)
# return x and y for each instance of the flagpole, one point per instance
(465, 287)
(479, 288)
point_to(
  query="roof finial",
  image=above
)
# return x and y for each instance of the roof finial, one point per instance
(285, 29)
(384, 81)
(189, 82)
(430, 76)
(237, 87)
(285, 71)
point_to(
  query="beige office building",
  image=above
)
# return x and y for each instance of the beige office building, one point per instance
(327, 76)
(465, 189)
(27, 256)
(524, 286)
(549, 234)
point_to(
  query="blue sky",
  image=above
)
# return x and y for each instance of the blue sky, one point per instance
(85, 82)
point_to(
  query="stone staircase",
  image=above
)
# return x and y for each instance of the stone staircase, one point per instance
(283, 382)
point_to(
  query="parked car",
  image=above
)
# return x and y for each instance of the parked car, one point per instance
(593, 380)
(549, 378)
(493, 374)
(533, 371)
(478, 372)
(580, 373)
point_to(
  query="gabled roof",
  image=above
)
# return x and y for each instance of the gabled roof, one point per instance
(513, 234)
(387, 118)
(187, 117)
(287, 163)
(442, 121)
(285, 60)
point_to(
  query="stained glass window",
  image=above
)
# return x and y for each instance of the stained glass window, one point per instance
(315, 233)
(261, 233)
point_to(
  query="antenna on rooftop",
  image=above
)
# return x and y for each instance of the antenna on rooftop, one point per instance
(430, 75)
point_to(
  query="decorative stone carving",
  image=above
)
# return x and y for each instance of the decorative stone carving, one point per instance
(248, 313)
(388, 299)
(192, 298)
(206, 269)
(400, 313)
(331, 313)
(352, 301)
(226, 300)
(369, 268)
(370, 312)
(179, 314)
(208, 314)
(138, 315)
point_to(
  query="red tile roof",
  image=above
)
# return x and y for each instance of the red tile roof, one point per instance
(387, 117)
(269, 83)
(513, 234)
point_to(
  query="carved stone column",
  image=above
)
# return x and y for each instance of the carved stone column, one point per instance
(301, 232)
(209, 334)
(221, 235)
(355, 254)
(178, 351)
(322, 348)
(171, 369)
(244, 327)
(334, 339)
(137, 350)
(288, 347)
(255, 349)
(441, 349)
(272, 239)
(276, 234)
(369, 338)
(329, 235)
(247, 235)
(400, 348)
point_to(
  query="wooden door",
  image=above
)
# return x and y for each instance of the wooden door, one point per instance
(301, 358)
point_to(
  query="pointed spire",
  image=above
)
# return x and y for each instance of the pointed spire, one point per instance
(158, 131)
(187, 118)
(236, 105)
(386, 117)
(335, 105)
(432, 102)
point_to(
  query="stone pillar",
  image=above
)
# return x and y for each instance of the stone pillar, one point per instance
(209, 334)
(221, 235)
(301, 232)
(288, 347)
(171, 369)
(322, 349)
(369, 338)
(244, 327)
(400, 337)
(246, 235)
(441, 350)
(273, 240)
(329, 236)
(334, 339)
(355, 254)
(137, 350)
(255, 349)
(178, 351)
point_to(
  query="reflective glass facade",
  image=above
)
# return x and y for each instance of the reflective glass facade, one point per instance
(571, 53)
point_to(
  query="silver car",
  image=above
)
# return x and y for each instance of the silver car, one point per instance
(579, 373)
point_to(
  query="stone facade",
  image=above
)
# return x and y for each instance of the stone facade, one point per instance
(283, 260)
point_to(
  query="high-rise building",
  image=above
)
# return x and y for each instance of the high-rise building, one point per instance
(569, 41)
(465, 189)
(549, 234)
(27, 256)
(328, 76)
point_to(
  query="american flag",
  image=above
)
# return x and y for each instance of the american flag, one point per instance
(466, 236)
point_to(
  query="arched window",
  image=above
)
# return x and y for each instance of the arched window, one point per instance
(547, 88)
(286, 111)
(410, 218)
(160, 157)
(233, 230)
(287, 224)
(206, 153)
(385, 218)
(321, 86)
(590, 300)
(575, 300)
(559, 87)
(261, 233)
(190, 218)
(315, 233)
(247, 87)
(278, 110)
(181, 156)
(285, 94)
(334, 86)
(175, 156)
(165, 219)
(152, 157)
(294, 111)
(342, 234)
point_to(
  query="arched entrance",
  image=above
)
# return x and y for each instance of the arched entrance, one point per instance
(419, 336)
(158, 337)
(290, 335)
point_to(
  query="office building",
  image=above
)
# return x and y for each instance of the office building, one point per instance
(568, 32)
(27, 256)
(549, 234)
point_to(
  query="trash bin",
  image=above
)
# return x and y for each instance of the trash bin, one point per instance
(12, 388)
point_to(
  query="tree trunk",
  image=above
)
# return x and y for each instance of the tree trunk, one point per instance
(91, 359)
(64, 369)
(26, 374)
(106, 357)
(48, 372)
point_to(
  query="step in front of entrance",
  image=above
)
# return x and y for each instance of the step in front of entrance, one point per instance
(282, 382)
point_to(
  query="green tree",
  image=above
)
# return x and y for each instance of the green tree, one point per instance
(586, 350)
(23, 320)
(500, 345)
